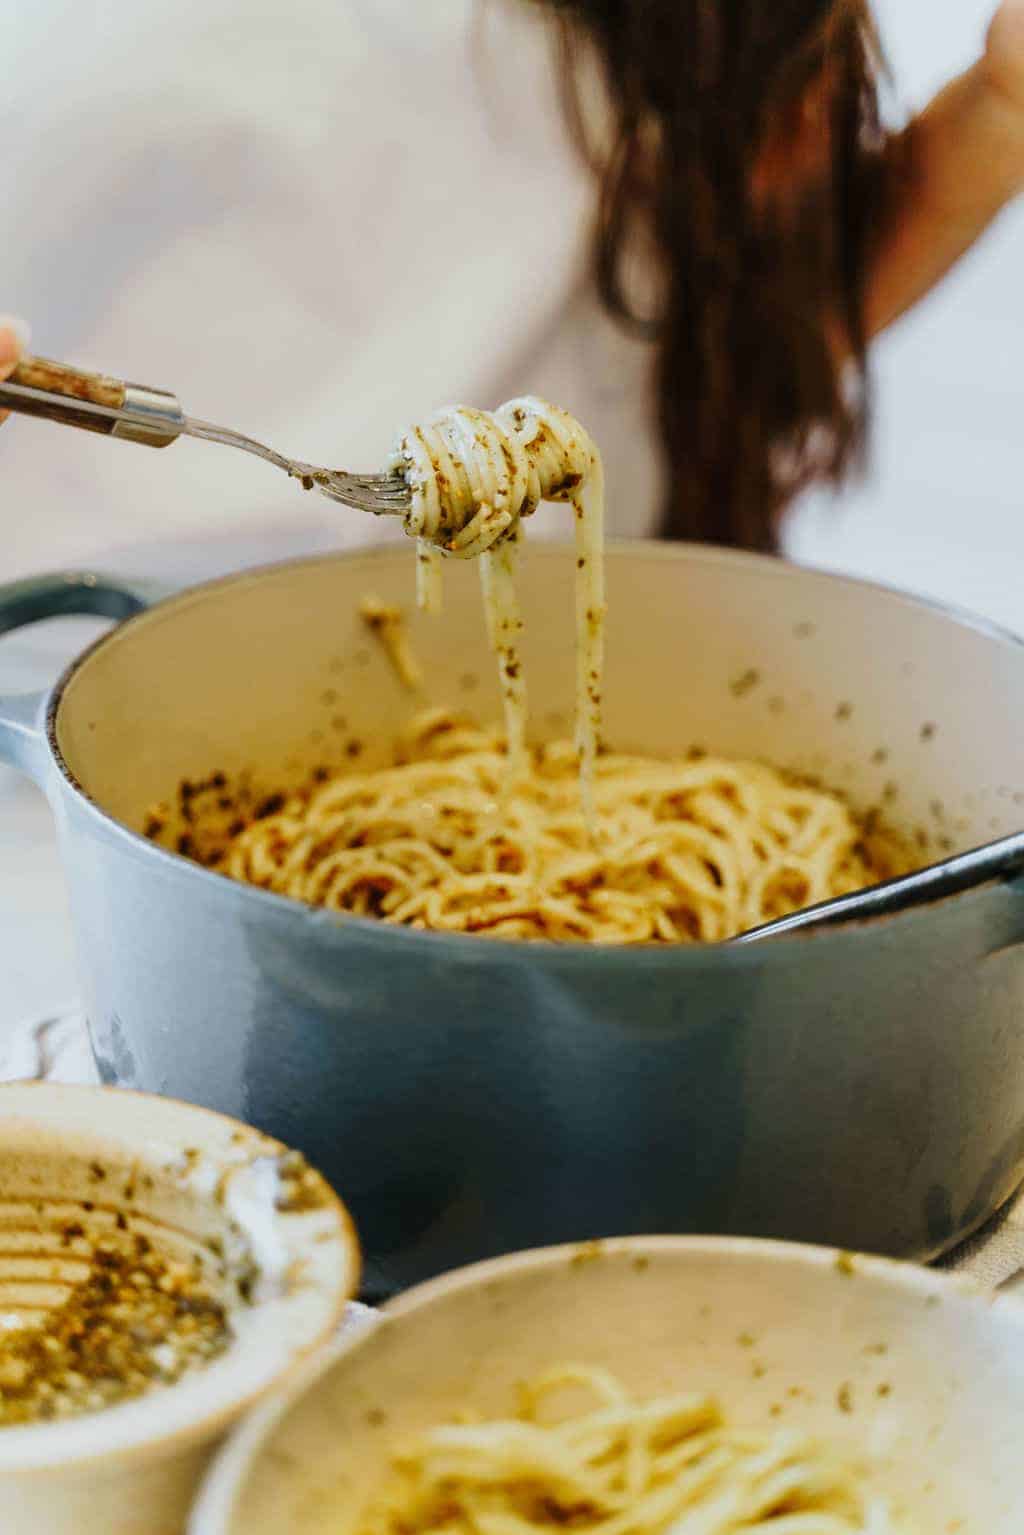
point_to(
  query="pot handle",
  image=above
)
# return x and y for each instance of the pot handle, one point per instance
(23, 716)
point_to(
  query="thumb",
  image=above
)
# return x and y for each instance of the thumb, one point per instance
(1005, 50)
(13, 341)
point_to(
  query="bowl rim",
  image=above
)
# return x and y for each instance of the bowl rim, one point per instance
(165, 1422)
(228, 1473)
(868, 909)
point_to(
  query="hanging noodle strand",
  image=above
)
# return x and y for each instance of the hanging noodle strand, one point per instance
(473, 476)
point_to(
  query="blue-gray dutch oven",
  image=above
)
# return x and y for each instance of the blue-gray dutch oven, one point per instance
(859, 1083)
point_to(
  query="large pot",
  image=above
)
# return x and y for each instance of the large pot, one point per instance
(862, 1086)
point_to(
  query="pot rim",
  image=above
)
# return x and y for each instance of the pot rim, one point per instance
(855, 921)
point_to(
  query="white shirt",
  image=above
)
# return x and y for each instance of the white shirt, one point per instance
(313, 223)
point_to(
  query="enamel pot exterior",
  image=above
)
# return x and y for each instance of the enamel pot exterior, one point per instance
(862, 1087)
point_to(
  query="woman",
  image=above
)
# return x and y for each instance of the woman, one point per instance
(742, 173)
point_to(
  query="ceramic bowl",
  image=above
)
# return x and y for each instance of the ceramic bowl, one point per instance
(83, 1169)
(914, 1368)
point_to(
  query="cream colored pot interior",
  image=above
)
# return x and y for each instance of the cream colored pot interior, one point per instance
(276, 672)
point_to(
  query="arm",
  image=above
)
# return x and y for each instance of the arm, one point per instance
(13, 337)
(962, 161)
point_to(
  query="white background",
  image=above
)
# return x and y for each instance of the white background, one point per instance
(942, 512)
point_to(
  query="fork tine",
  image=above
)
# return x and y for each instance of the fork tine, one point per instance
(388, 485)
(377, 493)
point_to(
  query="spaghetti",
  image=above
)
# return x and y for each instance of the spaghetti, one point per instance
(622, 1468)
(473, 476)
(464, 833)
(696, 849)
(385, 622)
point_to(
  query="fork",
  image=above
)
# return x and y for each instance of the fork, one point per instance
(136, 413)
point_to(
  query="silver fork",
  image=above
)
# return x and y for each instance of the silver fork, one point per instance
(135, 413)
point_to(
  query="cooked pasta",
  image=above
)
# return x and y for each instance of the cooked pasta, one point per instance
(470, 833)
(385, 621)
(694, 849)
(624, 1467)
(474, 475)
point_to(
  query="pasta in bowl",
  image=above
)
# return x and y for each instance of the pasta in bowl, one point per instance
(728, 1387)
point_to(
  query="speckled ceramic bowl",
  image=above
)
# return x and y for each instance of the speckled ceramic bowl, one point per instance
(84, 1170)
(924, 1375)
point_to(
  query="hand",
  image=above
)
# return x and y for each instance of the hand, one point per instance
(966, 162)
(13, 340)
(1004, 54)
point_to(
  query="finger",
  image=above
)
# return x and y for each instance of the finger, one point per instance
(13, 342)
(1005, 49)
(1010, 17)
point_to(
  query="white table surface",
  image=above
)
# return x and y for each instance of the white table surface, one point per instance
(36, 961)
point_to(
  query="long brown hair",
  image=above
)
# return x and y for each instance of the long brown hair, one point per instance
(761, 257)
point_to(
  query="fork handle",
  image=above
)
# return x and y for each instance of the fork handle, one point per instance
(54, 392)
